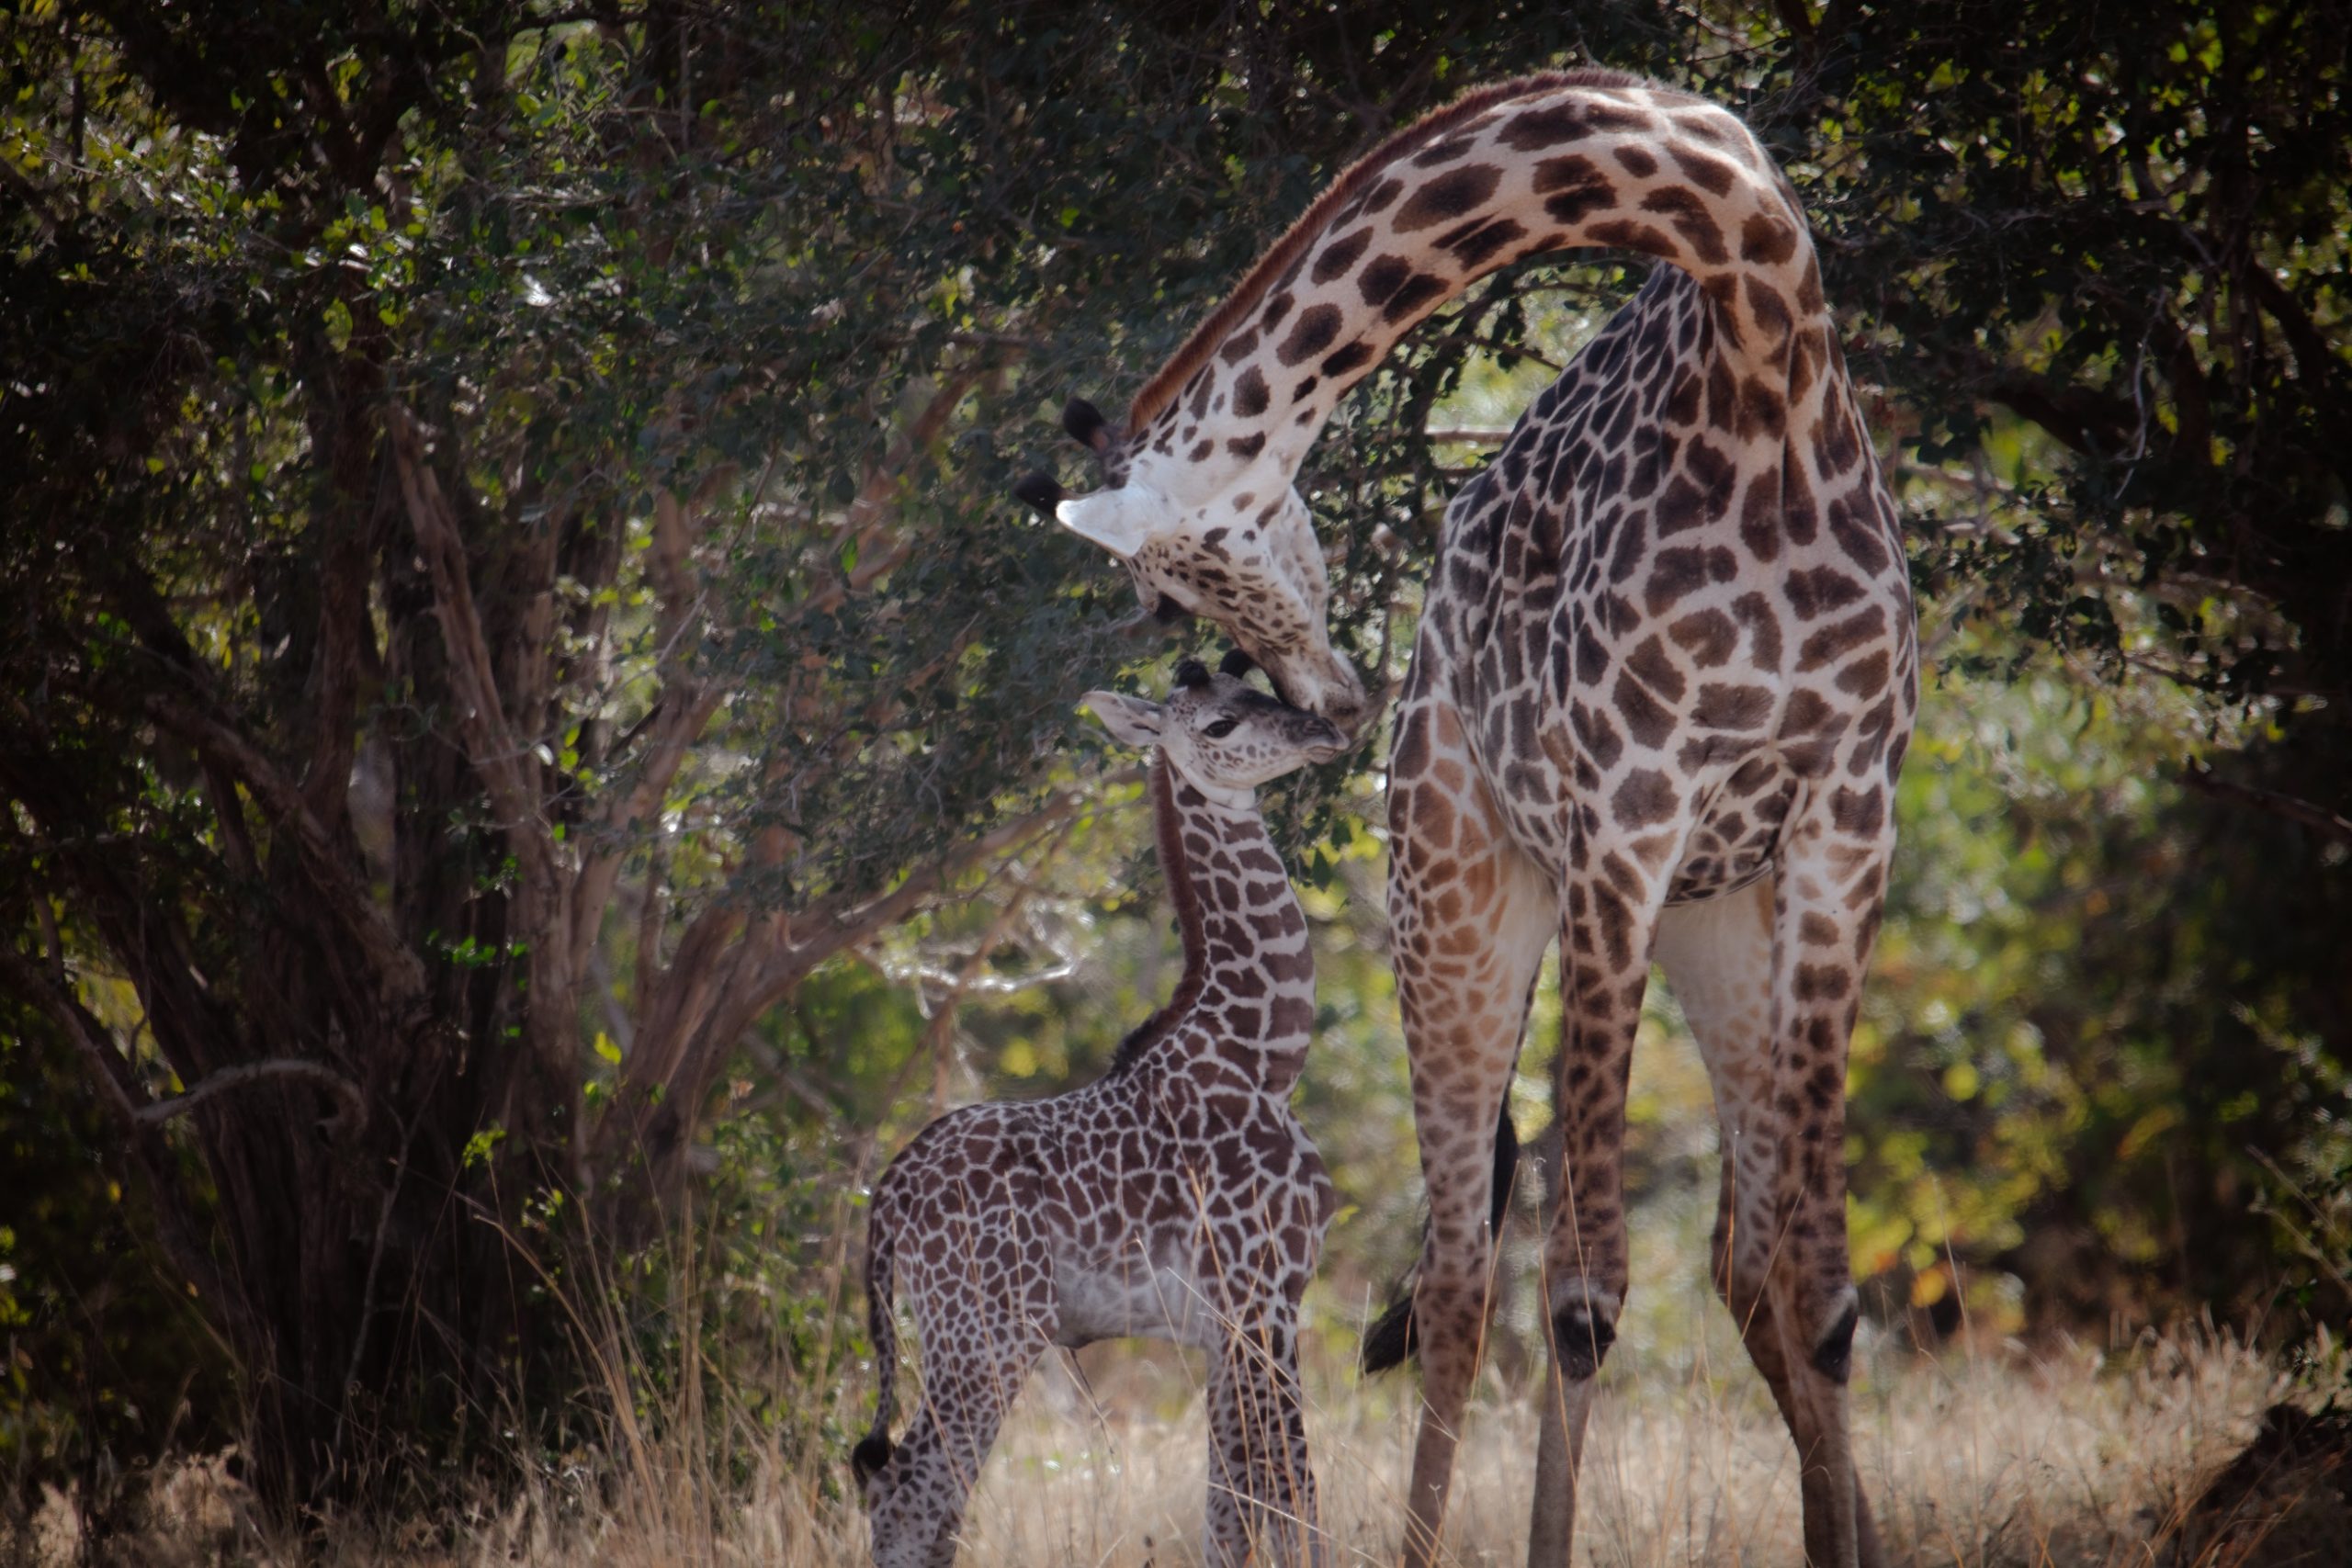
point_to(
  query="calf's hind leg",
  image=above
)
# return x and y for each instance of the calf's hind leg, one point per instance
(983, 1328)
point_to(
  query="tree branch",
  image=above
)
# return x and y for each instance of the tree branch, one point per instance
(489, 742)
(350, 1123)
(835, 923)
(398, 971)
(2319, 819)
(120, 1090)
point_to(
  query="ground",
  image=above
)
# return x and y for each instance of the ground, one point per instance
(1979, 1456)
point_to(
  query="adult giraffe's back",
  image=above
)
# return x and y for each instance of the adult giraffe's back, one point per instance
(1663, 683)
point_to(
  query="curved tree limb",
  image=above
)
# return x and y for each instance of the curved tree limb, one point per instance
(157, 1112)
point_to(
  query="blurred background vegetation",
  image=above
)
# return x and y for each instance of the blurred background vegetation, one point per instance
(524, 696)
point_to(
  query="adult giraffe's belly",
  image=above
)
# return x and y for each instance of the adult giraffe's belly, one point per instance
(1709, 824)
(1737, 832)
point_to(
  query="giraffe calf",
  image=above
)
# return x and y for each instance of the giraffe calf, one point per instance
(1176, 1197)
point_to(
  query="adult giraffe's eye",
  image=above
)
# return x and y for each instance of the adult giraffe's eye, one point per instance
(1221, 728)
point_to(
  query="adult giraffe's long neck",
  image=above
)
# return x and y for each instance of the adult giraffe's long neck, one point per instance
(1541, 163)
(1248, 985)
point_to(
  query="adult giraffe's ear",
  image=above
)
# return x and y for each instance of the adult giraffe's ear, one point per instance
(1108, 517)
(1130, 719)
(1086, 425)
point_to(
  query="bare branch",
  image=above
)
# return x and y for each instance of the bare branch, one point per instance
(834, 924)
(354, 1115)
(2318, 817)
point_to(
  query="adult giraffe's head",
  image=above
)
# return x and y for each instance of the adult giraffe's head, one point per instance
(1220, 533)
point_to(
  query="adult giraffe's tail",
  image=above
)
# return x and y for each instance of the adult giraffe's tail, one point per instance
(874, 1450)
(1391, 1339)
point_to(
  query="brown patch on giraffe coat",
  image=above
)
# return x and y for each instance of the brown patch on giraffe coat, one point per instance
(1477, 241)
(1548, 127)
(1858, 812)
(1861, 543)
(1771, 311)
(1711, 175)
(1249, 394)
(1379, 282)
(1724, 706)
(1643, 799)
(1575, 187)
(1673, 573)
(1453, 194)
(1599, 738)
(1645, 719)
(1444, 152)
(1636, 161)
(1838, 639)
(1865, 678)
(1820, 590)
(1767, 239)
(1707, 636)
(1339, 255)
(1693, 220)
(1634, 236)
(1314, 331)
(1759, 516)
(1418, 291)
(1655, 665)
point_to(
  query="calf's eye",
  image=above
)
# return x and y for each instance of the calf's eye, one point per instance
(1221, 728)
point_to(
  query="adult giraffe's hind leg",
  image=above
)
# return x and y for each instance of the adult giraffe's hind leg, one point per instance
(1609, 920)
(1469, 917)
(1791, 1302)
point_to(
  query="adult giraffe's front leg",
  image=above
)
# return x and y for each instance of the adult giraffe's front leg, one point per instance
(1718, 957)
(1469, 919)
(1609, 919)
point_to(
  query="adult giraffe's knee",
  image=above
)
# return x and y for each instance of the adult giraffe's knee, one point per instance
(1833, 1346)
(1584, 1325)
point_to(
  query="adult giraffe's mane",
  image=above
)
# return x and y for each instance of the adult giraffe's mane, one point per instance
(1260, 280)
(1176, 867)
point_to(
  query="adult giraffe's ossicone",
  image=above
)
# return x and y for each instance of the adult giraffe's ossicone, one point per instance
(1663, 679)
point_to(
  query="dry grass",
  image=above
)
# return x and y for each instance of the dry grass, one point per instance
(1988, 1458)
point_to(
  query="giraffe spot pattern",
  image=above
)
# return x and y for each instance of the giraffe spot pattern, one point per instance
(1453, 194)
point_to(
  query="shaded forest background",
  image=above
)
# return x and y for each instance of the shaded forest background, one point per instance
(536, 745)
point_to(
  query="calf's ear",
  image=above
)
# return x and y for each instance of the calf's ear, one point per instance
(1130, 719)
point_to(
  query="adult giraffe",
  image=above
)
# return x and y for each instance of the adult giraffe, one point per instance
(1663, 679)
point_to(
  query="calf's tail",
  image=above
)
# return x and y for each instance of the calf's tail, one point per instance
(874, 1450)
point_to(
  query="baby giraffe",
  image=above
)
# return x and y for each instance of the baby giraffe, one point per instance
(1175, 1197)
